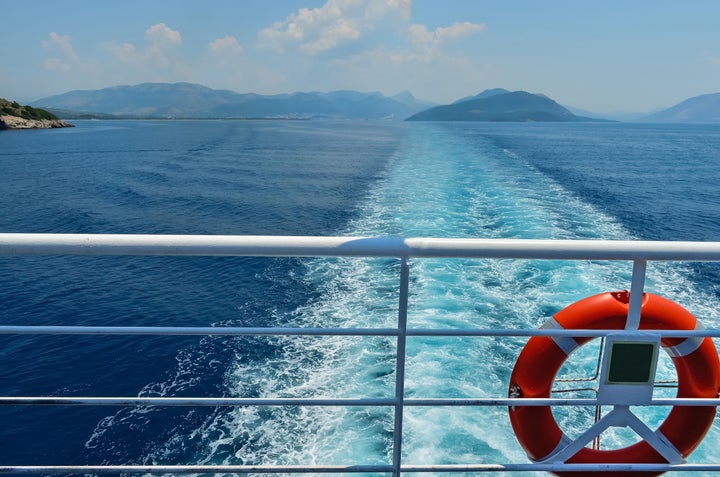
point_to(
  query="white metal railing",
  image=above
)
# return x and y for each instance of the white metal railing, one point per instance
(639, 252)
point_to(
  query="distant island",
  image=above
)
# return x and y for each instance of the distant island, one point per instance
(500, 105)
(16, 116)
(699, 109)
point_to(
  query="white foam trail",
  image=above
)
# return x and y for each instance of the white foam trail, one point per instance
(459, 192)
(442, 184)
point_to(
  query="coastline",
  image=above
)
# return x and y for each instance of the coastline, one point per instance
(14, 122)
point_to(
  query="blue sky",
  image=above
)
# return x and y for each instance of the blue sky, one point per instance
(610, 55)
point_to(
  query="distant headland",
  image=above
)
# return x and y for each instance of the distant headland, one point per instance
(15, 116)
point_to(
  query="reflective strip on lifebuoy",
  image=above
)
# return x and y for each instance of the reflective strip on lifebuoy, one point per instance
(695, 359)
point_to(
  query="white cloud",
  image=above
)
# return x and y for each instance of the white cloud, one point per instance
(61, 43)
(372, 44)
(428, 46)
(457, 30)
(227, 46)
(435, 76)
(162, 43)
(365, 24)
(56, 64)
(334, 25)
(334, 35)
(422, 38)
(160, 36)
(125, 52)
(420, 35)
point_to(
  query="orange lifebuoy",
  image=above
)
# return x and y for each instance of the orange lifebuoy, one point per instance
(695, 359)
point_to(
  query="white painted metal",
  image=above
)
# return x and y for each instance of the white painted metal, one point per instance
(280, 246)
(362, 402)
(636, 293)
(349, 469)
(234, 331)
(620, 416)
(400, 366)
(639, 252)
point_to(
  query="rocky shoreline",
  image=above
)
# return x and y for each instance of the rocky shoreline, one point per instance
(15, 122)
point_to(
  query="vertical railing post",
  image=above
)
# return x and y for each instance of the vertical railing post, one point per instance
(400, 365)
(636, 295)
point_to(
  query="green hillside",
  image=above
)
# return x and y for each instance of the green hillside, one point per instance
(13, 108)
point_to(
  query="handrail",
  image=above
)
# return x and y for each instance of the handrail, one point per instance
(341, 469)
(639, 252)
(320, 469)
(416, 402)
(303, 246)
(239, 331)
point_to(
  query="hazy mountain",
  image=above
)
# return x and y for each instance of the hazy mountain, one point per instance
(585, 112)
(407, 98)
(186, 100)
(485, 94)
(516, 106)
(609, 115)
(700, 109)
(148, 99)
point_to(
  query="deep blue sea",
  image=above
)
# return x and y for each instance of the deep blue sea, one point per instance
(350, 178)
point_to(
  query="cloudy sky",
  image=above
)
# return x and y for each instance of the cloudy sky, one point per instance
(610, 55)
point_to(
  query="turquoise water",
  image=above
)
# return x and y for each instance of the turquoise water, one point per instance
(589, 181)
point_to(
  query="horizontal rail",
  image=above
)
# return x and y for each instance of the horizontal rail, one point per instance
(177, 401)
(363, 402)
(192, 331)
(319, 469)
(425, 332)
(303, 246)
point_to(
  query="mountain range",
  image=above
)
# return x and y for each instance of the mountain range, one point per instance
(187, 100)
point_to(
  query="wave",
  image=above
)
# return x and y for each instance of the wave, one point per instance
(443, 183)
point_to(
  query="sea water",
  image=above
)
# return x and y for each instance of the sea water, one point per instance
(560, 181)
